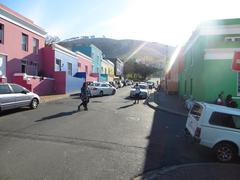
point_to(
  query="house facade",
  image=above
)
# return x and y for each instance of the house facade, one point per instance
(171, 83)
(208, 57)
(61, 64)
(21, 43)
(118, 67)
(96, 56)
(85, 67)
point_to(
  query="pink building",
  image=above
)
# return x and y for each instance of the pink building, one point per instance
(21, 44)
(85, 66)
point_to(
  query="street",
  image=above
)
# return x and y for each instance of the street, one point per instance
(113, 140)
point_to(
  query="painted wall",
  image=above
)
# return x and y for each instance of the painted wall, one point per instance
(208, 76)
(85, 62)
(12, 49)
(73, 84)
(48, 62)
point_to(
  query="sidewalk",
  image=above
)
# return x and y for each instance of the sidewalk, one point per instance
(48, 98)
(169, 103)
(200, 171)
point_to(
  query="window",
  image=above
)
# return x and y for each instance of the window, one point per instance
(58, 65)
(185, 87)
(35, 45)
(79, 65)
(69, 65)
(24, 66)
(4, 89)
(17, 88)
(225, 120)
(24, 42)
(196, 111)
(86, 69)
(1, 33)
(104, 85)
(191, 57)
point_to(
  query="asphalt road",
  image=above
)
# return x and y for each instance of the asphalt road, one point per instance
(113, 140)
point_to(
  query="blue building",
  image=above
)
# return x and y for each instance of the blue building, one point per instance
(96, 55)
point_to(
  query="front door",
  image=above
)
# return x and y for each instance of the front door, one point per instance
(3, 65)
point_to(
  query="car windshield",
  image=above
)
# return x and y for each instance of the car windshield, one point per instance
(69, 107)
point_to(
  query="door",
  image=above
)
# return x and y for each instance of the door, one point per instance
(3, 65)
(193, 118)
(7, 98)
(105, 88)
(22, 97)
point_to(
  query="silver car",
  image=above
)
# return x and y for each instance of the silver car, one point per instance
(15, 96)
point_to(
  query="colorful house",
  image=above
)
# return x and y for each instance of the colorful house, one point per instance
(110, 70)
(21, 44)
(62, 65)
(118, 67)
(174, 68)
(85, 67)
(208, 58)
(96, 55)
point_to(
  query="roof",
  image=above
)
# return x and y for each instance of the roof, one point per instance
(218, 108)
(18, 19)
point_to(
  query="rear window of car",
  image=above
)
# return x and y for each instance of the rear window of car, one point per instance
(196, 111)
(96, 84)
(225, 120)
(17, 88)
(4, 89)
(142, 87)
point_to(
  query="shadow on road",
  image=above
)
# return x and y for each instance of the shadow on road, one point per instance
(123, 107)
(61, 114)
(168, 145)
(11, 111)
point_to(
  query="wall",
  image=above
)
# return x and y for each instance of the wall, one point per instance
(73, 84)
(60, 82)
(96, 59)
(40, 86)
(64, 60)
(12, 48)
(48, 62)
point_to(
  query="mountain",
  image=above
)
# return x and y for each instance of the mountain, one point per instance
(150, 53)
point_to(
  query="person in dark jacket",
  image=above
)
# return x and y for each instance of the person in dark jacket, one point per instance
(230, 102)
(84, 97)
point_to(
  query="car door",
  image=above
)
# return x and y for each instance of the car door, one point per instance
(22, 97)
(7, 98)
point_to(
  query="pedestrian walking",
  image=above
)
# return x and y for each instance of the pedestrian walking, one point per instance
(230, 102)
(137, 94)
(84, 96)
(220, 99)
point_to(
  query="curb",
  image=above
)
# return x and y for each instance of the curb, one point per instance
(153, 105)
(49, 99)
(167, 170)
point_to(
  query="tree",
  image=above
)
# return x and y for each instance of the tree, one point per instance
(51, 39)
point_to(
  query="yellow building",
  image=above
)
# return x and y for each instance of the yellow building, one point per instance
(107, 73)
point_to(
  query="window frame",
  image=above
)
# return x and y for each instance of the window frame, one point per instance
(2, 34)
(59, 66)
(36, 47)
(69, 69)
(26, 45)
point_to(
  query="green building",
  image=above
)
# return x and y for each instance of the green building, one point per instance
(208, 57)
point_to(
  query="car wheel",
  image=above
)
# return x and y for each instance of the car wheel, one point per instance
(101, 93)
(225, 152)
(113, 91)
(34, 103)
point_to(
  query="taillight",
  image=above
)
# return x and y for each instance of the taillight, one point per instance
(197, 132)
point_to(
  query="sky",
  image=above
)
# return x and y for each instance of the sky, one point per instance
(165, 21)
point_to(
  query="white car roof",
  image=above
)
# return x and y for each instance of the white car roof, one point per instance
(219, 108)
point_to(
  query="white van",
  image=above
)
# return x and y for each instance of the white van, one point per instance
(216, 127)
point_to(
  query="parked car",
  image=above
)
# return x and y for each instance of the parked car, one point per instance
(144, 91)
(150, 84)
(15, 96)
(129, 82)
(101, 88)
(120, 84)
(114, 84)
(216, 127)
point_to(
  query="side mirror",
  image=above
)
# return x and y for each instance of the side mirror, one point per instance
(24, 92)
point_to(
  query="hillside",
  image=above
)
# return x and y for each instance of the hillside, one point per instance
(151, 53)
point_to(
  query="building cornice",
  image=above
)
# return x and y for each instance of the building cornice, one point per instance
(12, 18)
